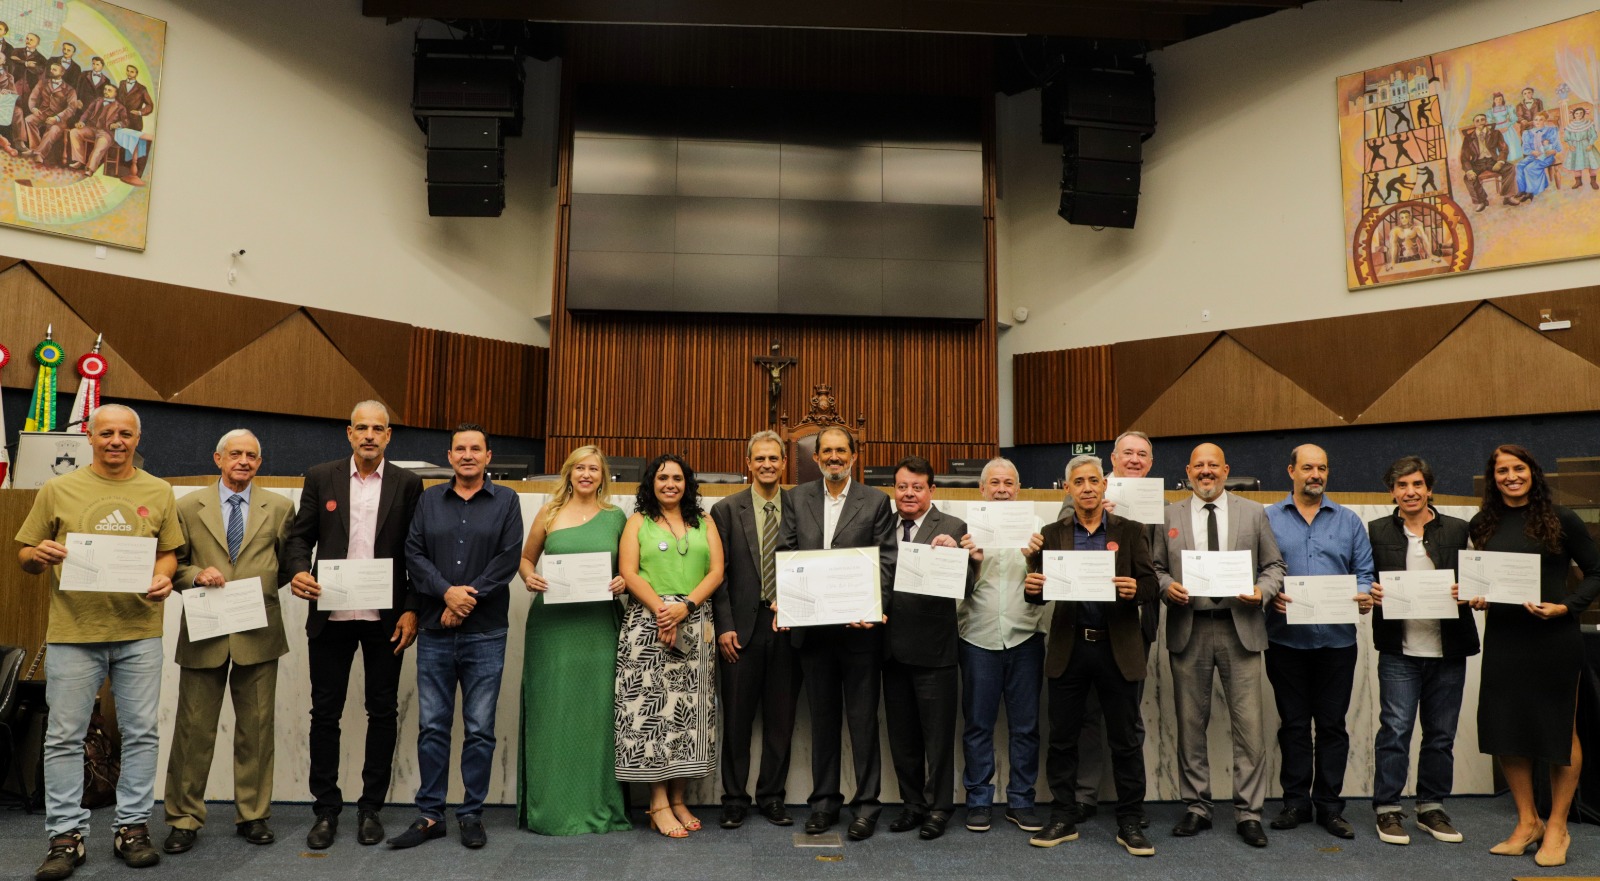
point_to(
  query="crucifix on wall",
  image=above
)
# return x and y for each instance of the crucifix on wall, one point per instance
(774, 363)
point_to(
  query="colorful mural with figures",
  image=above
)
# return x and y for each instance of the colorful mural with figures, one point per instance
(1481, 157)
(79, 81)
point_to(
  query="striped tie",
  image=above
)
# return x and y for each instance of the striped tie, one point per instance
(769, 544)
(235, 528)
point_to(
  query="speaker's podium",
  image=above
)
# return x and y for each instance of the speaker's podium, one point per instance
(42, 455)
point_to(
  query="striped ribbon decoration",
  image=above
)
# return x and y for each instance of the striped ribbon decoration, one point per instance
(42, 409)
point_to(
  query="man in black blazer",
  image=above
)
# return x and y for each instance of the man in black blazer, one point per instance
(1096, 646)
(842, 664)
(759, 672)
(919, 673)
(355, 508)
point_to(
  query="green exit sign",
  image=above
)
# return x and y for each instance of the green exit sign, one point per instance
(1083, 450)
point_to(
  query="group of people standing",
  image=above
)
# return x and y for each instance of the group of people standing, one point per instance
(665, 686)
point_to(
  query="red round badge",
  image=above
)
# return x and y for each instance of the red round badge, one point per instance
(1112, 546)
(143, 511)
(332, 505)
(1173, 532)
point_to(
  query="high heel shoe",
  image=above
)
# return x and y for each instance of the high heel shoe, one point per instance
(668, 831)
(694, 822)
(1514, 847)
(1549, 856)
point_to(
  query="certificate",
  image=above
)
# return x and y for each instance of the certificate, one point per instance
(930, 571)
(1218, 574)
(1418, 594)
(1001, 524)
(1138, 498)
(1080, 576)
(1322, 599)
(353, 585)
(108, 563)
(1500, 577)
(234, 607)
(577, 578)
(828, 587)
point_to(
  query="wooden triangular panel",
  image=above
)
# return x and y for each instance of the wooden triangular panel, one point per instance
(1230, 390)
(171, 334)
(1347, 362)
(27, 307)
(1492, 365)
(8, 262)
(291, 368)
(379, 349)
(1146, 368)
(1581, 306)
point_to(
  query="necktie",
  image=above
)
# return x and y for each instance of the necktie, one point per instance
(235, 527)
(1212, 542)
(769, 544)
(906, 525)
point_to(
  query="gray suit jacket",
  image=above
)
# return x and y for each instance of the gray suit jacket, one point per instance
(866, 521)
(261, 554)
(1248, 530)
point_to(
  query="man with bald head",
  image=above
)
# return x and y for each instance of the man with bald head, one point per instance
(1313, 666)
(1207, 637)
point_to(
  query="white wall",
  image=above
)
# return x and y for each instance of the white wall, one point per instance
(1240, 213)
(287, 131)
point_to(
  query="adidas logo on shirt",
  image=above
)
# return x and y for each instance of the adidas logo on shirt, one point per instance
(113, 522)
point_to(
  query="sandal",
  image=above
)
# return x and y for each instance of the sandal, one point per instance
(694, 822)
(669, 832)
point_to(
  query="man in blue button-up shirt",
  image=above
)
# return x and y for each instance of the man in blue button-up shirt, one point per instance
(1312, 666)
(463, 549)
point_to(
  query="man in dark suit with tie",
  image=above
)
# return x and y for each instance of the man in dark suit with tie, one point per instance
(759, 671)
(71, 71)
(919, 674)
(136, 98)
(842, 663)
(355, 508)
(92, 82)
(1096, 646)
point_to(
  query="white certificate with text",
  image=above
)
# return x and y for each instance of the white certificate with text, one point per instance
(1218, 574)
(352, 585)
(1001, 524)
(930, 571)
(1138, 498)
(1500, 577)
(108, 563)
(234, 607)
(1080, 576)
(828, 587)
(1322, 599)
(577, 578)
(1418, 594)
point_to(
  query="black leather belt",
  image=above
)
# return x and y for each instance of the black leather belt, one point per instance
(1091, 635)
(1213, 613)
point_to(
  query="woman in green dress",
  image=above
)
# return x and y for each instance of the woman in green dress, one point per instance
(566, 783)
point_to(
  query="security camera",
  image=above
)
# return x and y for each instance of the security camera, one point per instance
(239, 253)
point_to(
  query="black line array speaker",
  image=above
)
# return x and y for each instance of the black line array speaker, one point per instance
(1098, 209)
(1108, 144)
(1107, 98)
(466, 200)
(467, 97)
(1101, 117)
(1097, 176)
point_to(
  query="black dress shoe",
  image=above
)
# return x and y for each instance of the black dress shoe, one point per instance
(419, 831)
(255, 832)
(1191, 825)
(907, 821)
(732, 816)
(1291, 818)
(471, 830)
(1252, 833)
(369, 830)
(180, 840)
(861, 828)
(1338, 826)
(777, 813)
(820, 822)
(934, 827)
(1058, 831)
(322, 832)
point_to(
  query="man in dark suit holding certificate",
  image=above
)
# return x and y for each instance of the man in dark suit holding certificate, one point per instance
(842, 663)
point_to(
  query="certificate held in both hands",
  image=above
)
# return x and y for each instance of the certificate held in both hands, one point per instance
(1080, 576)
(828, 587)
(352, 585)
(1138, 498)
(1218, 574)
(234, 607)
(576, 578)
(108, 563)
(1500, 576)
(1322, 599)
(1418, 594)
(1001, 524)
(930, 571)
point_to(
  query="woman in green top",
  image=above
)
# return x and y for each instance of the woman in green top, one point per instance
(565, 782)
(666, 712)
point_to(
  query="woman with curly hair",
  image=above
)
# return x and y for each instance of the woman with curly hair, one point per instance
(666, 719)
(1532, 654)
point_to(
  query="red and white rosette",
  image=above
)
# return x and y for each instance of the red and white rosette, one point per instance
(91, 367)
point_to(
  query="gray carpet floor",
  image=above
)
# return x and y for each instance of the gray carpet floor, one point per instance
(762, 851)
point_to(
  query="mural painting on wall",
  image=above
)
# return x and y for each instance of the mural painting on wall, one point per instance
(79, 90)
(1481, 157)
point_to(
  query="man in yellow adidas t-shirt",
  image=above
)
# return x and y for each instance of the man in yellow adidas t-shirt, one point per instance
(93, 634)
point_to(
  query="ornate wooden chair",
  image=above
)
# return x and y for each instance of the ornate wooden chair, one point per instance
(800, 440)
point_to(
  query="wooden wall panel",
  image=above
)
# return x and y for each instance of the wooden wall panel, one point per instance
(1145, 368)
(1061, 395)
(455, 378)
(294, 347)
(1581, 306)
(1231, 389)
(29, 306)
(380, 350)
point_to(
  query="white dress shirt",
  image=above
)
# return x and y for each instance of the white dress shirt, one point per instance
(1199, 515)
(832, 507)
(364, 495)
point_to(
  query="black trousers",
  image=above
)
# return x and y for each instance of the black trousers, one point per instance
(330, 654)
(1312, 685)
(764, 681)
(842, 689)
(1093, 667)
(919, 706)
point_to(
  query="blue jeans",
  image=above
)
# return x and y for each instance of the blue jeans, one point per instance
(1406, 685)
(73, 674)
(1016, 674)
(446, 658)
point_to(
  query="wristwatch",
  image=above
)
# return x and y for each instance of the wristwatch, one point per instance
(692, 606)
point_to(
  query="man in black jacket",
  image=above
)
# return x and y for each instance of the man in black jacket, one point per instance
(1422, 663)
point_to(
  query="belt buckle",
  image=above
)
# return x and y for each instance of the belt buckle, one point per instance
(1089, 635)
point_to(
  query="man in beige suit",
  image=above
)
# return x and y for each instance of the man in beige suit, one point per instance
(232, 531)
